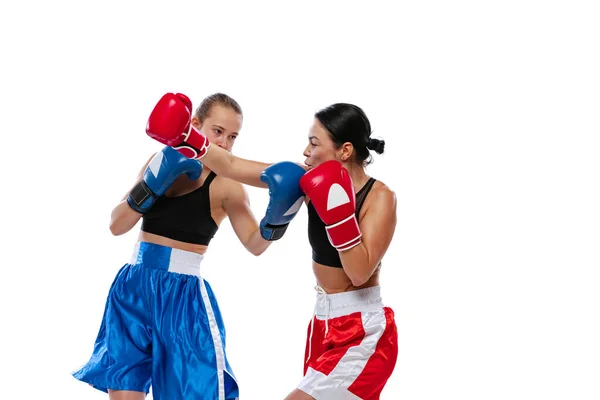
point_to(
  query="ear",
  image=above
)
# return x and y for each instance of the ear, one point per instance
(346, 151)
(196, 123)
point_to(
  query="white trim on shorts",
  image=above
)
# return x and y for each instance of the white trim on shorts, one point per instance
(349, 367)
(339, 304)
(188, 263)
(180, 261)
(216, 338)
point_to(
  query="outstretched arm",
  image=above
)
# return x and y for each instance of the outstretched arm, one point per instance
(285, 200)
(169, 123)
(225, 164)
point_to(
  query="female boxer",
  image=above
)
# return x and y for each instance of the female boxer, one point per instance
(162, 326)
(351, 348)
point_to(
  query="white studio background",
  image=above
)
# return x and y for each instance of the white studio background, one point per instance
(490, 115)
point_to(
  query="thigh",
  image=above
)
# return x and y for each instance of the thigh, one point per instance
(377, 369)
(189, 358)
(298, 394)
(125, 395)
(356, 368)
(121, 359)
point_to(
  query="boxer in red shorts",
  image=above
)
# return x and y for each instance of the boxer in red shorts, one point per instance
(351, 347)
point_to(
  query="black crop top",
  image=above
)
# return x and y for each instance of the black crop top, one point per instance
(322, 250)
(185, 218)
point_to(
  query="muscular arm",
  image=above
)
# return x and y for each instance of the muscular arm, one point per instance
(226, 164)
(171, 117)
(245, 226)
(123, 217)
(377, 227)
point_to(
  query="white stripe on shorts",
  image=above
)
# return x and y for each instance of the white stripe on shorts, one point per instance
(216, 337)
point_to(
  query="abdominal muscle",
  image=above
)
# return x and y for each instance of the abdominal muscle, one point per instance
(175, 244)
(334, 280)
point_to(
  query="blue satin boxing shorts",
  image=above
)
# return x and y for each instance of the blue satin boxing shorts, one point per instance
(161, 328)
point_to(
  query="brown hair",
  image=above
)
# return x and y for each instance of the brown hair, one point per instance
(203, 110)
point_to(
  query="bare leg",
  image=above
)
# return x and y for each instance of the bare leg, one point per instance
(125, 395)
(298, 394)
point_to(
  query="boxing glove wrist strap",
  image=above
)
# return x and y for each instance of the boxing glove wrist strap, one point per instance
(345, 234)
(141, 198)
(194, 144)
(272, 232)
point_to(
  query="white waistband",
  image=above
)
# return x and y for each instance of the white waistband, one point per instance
(167, 258)
(339, 304)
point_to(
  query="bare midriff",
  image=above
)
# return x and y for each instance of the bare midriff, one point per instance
(175, 244)
(335, 280)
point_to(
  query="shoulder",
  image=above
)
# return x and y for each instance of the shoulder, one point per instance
(229, 189)
(143, 169)
(381, 197)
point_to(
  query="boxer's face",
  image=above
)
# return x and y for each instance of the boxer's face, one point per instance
(221, 127)
(320, 146)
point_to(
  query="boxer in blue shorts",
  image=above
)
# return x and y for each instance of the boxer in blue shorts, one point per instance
(352, 338)
(162, 327)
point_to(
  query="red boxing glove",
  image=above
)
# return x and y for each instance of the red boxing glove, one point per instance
(169, 123)
(331, 192)
(185, 100)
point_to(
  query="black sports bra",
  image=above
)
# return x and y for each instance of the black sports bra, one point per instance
(322, 250)
(185, 218)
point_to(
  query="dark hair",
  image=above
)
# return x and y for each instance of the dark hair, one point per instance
(349, 123)
(203, 110)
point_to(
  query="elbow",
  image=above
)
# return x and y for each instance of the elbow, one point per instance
(359, 280)
(116, 229)
(361, 276)
(256, 244)
(123, 219)
(257, 252)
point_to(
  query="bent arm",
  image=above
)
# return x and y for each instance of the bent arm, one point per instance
(226, 164)
(123, 218)
(245, 226)
(377, 227)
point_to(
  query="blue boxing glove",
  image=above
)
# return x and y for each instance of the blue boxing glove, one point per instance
(286, 198)
(160, 174)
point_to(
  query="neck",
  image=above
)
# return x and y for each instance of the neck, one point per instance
(358, 175)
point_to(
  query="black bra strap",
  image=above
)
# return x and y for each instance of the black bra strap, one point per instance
(206, 191)
(209, 178)
(363, 192)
